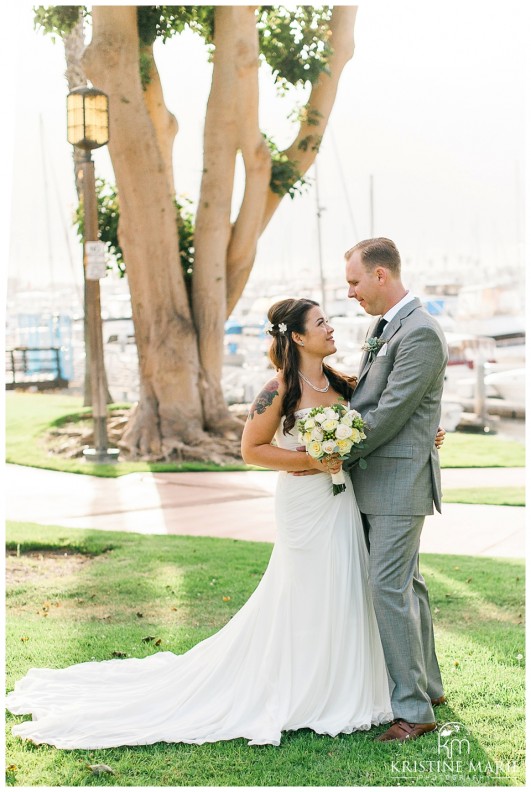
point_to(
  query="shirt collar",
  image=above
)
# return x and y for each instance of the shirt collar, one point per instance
(392, 312)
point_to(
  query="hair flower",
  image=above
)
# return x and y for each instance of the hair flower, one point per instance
(269, 328)
(282, 328)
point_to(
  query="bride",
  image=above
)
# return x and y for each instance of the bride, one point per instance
(303, 652)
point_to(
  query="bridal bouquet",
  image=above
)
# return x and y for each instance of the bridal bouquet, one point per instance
(332, 430)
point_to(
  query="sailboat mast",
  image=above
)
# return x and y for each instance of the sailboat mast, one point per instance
(371, 204)
(319, 209)
(46, 202)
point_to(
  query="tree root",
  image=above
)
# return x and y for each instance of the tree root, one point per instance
(222, 448)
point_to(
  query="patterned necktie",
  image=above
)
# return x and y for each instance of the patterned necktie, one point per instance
(380, 327)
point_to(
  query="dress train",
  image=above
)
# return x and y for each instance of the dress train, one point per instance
(303, 652)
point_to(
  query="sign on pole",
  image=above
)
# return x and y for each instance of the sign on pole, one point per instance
(96, 263)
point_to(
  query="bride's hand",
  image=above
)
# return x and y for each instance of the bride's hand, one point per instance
(330, 464)
(439, 437)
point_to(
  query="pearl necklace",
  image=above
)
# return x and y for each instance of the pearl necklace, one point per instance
(320, 390)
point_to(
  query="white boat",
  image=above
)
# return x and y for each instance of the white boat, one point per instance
(507, 385)
(451, 413)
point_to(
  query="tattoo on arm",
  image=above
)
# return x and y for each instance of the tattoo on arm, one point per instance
(264, 399)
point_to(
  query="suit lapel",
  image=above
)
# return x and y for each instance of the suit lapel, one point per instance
(364, 362)
(396, 322)
(388, 332)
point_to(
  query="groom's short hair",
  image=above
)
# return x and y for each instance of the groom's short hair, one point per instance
(377, 252)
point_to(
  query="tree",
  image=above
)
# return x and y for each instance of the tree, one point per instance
(179, 331)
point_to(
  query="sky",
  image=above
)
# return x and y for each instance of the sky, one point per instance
(431, 108)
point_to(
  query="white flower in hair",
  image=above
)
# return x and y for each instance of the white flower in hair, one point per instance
(269, 328)
(282, 328)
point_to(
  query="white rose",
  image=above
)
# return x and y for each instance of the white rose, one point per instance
(329, 446)
(330, 413)
(343, 431)
(306, 438)
(309, 424)
(355, 435)
(315, 450)
(354, 414)
(329, 425)
(347, 420)
(320, 417)
(317, 434)
(363, 436)
(344, 446)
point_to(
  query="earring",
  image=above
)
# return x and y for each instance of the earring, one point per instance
(301, 343)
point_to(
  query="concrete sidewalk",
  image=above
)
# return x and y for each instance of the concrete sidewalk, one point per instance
(240, 505)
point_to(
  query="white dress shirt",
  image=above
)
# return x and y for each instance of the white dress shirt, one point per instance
(392, 312)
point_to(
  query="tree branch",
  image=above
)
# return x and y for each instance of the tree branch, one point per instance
(304, 149)
(257, 160)
(163, 121)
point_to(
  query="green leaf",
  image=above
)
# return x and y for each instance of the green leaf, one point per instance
(295, 43)
(57, 20)
(109, 218)
(166, 21)
(285, 176)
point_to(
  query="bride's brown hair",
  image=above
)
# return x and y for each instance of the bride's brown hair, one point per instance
(284, 354)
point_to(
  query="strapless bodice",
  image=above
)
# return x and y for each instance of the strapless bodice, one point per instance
(291, 440)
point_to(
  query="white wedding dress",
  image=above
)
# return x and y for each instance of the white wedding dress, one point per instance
(303, 652)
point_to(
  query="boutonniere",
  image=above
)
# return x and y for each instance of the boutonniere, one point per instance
(373, 346)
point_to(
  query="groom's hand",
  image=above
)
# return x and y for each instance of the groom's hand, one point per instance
(439, 437)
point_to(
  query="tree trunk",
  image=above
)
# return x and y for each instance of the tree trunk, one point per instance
(169, 412)
(74, 44)
(231, 124)
(180, 351)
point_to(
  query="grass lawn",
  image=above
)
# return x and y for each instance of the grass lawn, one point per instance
(77, 595)
(490, 496)
(462, 449)
(29, 415)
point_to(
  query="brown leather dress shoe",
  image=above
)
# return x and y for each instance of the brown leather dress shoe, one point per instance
(401, 730)
(438, 701)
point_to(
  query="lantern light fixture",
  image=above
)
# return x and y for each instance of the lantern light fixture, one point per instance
(87, 118)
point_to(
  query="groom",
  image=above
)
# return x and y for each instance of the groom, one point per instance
(399, 396)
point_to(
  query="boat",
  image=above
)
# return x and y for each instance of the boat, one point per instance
(508, 386)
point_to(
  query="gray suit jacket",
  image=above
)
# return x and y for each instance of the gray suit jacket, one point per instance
(399, 396)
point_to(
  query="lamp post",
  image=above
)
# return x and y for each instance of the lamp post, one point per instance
(88, 128)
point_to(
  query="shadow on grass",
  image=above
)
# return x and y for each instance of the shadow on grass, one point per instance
(480, 599)
(181, 589)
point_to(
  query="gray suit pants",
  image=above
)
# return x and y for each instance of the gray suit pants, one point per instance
(403, 613)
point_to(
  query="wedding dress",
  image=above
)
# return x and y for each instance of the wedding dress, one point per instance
(303, 652)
